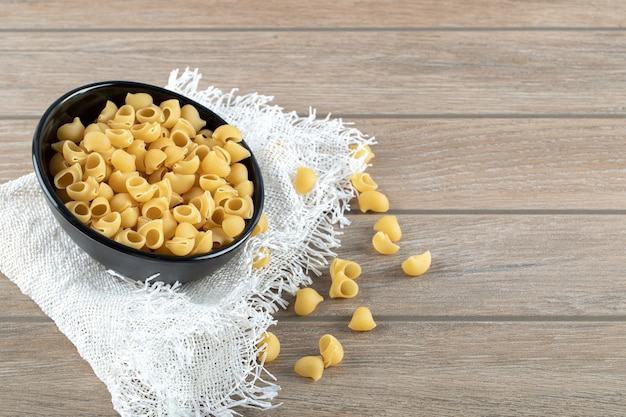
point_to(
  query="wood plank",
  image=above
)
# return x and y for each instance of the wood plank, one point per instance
(461, 164)
(512, 368)
(42, 374)
(487, 265)
(546, 266)
(321, 14)
(392, 72)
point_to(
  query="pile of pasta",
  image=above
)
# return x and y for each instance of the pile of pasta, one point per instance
(345, 272)
(152, 177)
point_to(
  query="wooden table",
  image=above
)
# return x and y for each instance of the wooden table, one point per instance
(500, 145)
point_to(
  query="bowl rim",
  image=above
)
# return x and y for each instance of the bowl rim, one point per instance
(50, 190)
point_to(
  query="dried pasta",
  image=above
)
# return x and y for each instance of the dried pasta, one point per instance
(363, 182)
(152, 177)
(349, 269)
(305, 180)
(362, 320)
(383, 244)
(269, 347)
(390, 226)
(343, 287)
(310, 367)
(307, 300)
(331, 350)
(417, 265)
(373, 201)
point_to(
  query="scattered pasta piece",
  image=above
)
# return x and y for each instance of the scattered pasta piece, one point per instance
(383, 244)
(373, 201)
(331, 350)
(359, 152)
(349, 268)
(262, 258)
(269, 347)
(305, 180)
(310, 367)
(307, 300)
(416, 265)
(363, 182)
(390, 226)
(362, 320)
(343, 287)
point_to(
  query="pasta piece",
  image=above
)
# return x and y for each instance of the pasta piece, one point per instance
(188, 165)
(417, 265)
(120, 138)
(96, 167)
(96, 142)
(362, 152)
(211, 182)
(153, 232)
(171, 112)
(83, 190)
(107, 113)
(138, 100)
(150, 114)
(96, 127)
(154, 160)
(343, 267)
(174, 154)
(223, 194)
(186, 230)
(343, 287)
(307, 300)
(383, 244)
(185, 126)
(73, 154)
(100, 207)
(261, 226)
(203, 243)
(190, 113)
(245, 188)
(105, 190)
(373, 201)
(238, 173)
(310, 367)
(57, 164)
(73, 131)
(181, 183)
(213, 164)
(305, 180)
(236, 151)
(124, 118)
(220, 239)
(107, 225)
(68, 176)
(180, 246)
(130, 217)
(161, 143)
(362, 320)
(80, 209)
(238, 206)
(154, 208)
(269, 348)
(130, 238)
(227, 132)
(117, 180)
(363, 182)
(123, 161)
(121, 201)
(169, 224)
(233, 225)
(148, 131)
(262, 258)
(331, 350)
(139, 189)
(205, 205)
(187, 213)
(390, 226)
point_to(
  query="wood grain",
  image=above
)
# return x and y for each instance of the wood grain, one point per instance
(444, 73)
(500, 129)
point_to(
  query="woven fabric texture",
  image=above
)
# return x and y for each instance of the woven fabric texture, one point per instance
(190, 350)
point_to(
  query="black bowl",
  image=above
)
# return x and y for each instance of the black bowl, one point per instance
(86, 102)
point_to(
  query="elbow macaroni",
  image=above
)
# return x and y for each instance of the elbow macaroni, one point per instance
(151, 177)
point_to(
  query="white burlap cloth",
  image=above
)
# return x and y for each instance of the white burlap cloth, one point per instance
(189, 350)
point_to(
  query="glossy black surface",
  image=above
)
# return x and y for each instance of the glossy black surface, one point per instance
(86, 102)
